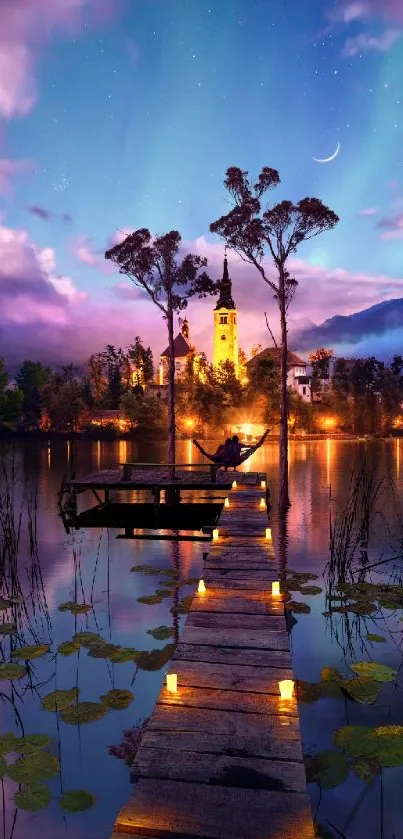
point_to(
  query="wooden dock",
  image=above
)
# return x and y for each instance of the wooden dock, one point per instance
(221, 758)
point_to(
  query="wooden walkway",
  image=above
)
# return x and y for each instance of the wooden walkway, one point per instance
(221, 758)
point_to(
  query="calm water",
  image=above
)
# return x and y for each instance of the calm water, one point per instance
(93, 566)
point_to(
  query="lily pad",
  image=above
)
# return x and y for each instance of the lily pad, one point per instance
(84, 712)
(362, 690)
(311, 590)
(75, 608)
(7, 742)
(68, 647)
(33, 797)
(389, 743)
(161, 633)
(298, 608)
(147, 569)
(87, 639)
(377, 639)
(184, 606)
(366, 769)
(372, 670)
(31, 743)
(155, 659)
(103, 650)
(150, 599)
(118, 700)
(330, 674)
(8, 628)
(8, 672)
(308, 691)
(302, 576)
(356, 740)
(59, 700)
(331, 769)
(362, 607)
(123, 655)
(77, 800)
(28, 653)
(38, 766)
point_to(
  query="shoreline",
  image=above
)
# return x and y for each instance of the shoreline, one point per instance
(8, 435)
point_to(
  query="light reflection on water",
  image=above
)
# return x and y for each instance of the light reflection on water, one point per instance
(97, 562)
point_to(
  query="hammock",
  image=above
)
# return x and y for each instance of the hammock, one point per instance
(228, 459)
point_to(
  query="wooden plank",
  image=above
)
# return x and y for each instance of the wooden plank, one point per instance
(211, 601)
(232, 655)
(254, 743)
(230, 676)
(213, 722)
(242, 564)
(228, 771)
(228, 700)
(250, 638)
(264, 623)
(260, 580)
(216, 812)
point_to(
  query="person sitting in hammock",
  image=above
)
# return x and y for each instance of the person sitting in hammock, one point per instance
(232, 452)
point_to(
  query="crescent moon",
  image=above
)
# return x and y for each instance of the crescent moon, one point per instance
(327, 159)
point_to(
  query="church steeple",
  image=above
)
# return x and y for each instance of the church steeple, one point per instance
(225, 300)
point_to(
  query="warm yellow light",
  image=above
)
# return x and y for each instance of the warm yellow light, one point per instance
(161, 374)
(226, 502)
(234, 484)
(215, 534)
(201, 588)
(275, 589)
(262, 503)
(263, 484)
(246, 428)
(172, 682)
(286, 688)
(189, 422)
(268, 532)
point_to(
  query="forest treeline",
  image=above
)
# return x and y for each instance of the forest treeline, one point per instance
(359, 396)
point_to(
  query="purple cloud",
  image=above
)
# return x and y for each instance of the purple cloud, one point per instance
(393, 227)
(368, 211)
(371, 43)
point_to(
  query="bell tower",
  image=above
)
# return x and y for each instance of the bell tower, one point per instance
(225, 323)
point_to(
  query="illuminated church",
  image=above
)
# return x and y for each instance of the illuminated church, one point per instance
(225, 339)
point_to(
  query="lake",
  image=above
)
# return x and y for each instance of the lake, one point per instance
(93, 567)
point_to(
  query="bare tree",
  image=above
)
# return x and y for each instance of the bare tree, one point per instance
(152, 264)
(279, 229)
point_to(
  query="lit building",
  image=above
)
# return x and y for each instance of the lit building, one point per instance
(183, 351)
(225, 346)
(297, 378)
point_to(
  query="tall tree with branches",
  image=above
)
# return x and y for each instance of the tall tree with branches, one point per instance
(154, 266)
(279, 230)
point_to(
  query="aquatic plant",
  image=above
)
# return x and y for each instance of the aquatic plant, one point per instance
(117, 700)
(77, 800)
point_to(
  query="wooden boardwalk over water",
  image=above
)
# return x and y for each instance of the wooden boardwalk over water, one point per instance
(221, 758)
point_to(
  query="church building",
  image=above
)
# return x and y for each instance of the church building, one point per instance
(225, 346)
(182, 352)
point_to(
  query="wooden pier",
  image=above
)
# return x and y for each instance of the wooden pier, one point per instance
(221, 758)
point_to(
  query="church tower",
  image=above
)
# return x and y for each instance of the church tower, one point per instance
(225, 324)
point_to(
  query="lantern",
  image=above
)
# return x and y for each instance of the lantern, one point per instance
(172, 682)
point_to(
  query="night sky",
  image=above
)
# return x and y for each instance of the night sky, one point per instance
(117, 115)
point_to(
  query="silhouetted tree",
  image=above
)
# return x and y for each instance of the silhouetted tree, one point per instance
(142, 361)
(280, 229)
(153, 265)
(320, 361)
(30, 379)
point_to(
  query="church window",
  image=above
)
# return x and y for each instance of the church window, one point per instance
(224, 319)
(223, 337)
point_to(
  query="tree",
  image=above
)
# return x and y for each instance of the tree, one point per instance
(142, 361)
(153, 265)
(320, 361)
(31, 377)
(280, 229)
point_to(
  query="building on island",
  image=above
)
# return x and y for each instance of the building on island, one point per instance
(225, 341)
(183, 351)
(297, 378)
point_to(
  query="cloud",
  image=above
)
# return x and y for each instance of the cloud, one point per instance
(367, 43)
(368, 211)
(348, 11)
(47, 215)
(82, 250)
(9, 168)
(393, 227)
(25, 27)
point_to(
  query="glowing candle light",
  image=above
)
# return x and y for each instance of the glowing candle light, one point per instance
(234, 484)
(172, 682)
(215, 534)
(275, 589)
(262, 503)
(226, 502)
(201, 587)
(268, 533)
(263, 484)
(286, 688)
